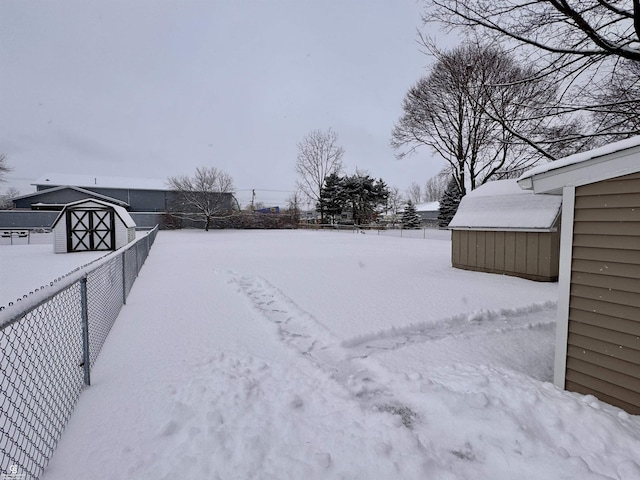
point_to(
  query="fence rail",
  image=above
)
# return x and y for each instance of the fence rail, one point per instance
(49, 341)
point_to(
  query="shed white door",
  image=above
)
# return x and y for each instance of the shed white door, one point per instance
(92, 230)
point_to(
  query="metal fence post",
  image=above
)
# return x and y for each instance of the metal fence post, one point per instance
(124, 278)
(84, 306)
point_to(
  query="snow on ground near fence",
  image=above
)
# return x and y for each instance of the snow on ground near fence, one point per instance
(289, 354)
(27, 267)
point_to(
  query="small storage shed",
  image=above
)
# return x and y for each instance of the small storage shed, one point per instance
(598, 323)
(92, 225)
(500, 228)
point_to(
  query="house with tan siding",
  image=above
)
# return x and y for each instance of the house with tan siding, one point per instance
(500, 228)
(598, 322)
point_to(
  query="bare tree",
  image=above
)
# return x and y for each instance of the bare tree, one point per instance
(395, 203)
(572, 43)
(414, 193)
(6, 199)
(293, 207)
(204, 196)
(460, 109)
(434, 187)
(588, 31)
(616, 104)
(319, 155)
(4, 167)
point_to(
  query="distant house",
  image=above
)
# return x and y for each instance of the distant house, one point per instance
(147, 200)
(428, 213)
(500, 228)
(598, 323)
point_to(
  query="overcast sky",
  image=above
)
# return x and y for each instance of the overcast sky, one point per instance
(157, 88)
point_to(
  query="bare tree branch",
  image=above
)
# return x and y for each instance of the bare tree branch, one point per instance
(4, 167)
(474, 110)
(204, 196)
(585, 47)
(319, 155)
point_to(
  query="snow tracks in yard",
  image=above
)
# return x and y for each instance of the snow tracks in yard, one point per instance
(349, 361)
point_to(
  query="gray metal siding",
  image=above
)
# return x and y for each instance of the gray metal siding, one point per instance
(27, 219)
(603, 345)
(138, 200)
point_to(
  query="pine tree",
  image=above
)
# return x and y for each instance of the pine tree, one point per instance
(332, 196)
(449, 203)
(410, 217)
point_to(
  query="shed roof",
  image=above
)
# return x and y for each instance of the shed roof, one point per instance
(57, 179)
(503, 205)
(121, 212)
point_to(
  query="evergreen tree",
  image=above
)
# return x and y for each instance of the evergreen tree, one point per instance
(332, 196)
(449, 203)
(410, 217)
(365, 197)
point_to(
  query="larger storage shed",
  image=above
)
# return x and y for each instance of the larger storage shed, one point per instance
(598, 323)
(500, 228)
(92, 225)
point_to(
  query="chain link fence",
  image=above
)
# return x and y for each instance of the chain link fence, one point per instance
(429, 232)
(49, 341)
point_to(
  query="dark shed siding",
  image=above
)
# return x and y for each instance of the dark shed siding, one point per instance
(603, 351)
(532, 255)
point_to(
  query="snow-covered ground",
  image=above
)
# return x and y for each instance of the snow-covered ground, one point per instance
(26, 267)
(304, 354)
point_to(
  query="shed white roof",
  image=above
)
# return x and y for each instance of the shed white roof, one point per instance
(503, 205)
(77, 180)
(121, 212)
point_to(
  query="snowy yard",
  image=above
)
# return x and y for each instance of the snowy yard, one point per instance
(36, 263)
(313, 355)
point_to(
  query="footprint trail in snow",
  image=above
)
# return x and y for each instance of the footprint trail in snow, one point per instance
(303, 332)
(350, 362)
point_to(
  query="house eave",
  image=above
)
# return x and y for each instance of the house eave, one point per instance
(591, 170)
(509, 229)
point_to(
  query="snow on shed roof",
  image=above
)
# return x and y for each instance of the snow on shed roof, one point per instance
(57, 179)
(503, 205)
(121, 212)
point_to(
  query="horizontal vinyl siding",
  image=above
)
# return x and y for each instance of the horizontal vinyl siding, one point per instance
(603, 347)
